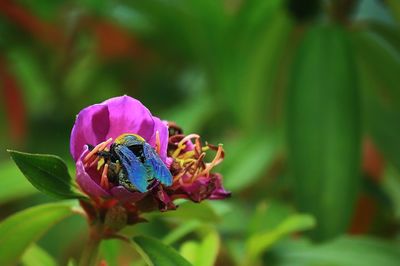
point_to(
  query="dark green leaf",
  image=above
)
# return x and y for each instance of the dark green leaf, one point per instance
(48, 173)
(156, 253)
(379, 65)
(20, 230)
(324, 129)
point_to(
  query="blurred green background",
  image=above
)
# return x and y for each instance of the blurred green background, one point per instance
(304, 95)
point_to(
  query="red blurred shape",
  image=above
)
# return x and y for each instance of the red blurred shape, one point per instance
(363, 216)
(41, 30)
(373, 161)
(115, 42)
(14, 104)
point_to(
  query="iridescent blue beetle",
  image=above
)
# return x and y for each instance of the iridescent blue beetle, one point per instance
(134, 164)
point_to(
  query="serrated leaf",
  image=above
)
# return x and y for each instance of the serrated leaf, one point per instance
(20, 230)
(156, 253)
(324, 129)
(48, 173)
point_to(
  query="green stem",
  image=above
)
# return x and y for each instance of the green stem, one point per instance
(91, 249)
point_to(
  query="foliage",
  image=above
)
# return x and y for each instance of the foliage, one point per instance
(303, 94)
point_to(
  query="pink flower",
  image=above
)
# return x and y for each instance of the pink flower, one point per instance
(99, 125)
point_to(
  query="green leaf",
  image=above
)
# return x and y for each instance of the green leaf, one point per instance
(18, 231)
(379, 65)
(109, 250)
(260, 242)
(349, 251)
(185, 228)
(155, 253)
(241, 171)
(394, 5)
(381, 60)
(204, 253)
(48, 173)
(13, 184)
(391, 186)
(35, 256)
(324, 129)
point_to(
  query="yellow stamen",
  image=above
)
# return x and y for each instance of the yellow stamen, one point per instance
(100, 163)
(217, 159)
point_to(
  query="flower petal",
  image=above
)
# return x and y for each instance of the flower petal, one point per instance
(122, 194)
(86, 182)
(91, 127)
(128, 115)
(110, 119)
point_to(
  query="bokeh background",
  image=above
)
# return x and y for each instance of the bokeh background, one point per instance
(304, 95)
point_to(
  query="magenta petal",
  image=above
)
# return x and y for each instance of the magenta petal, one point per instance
(87, 184)
(110, 119)
(219, 191)
(162, 129)
(128, 115)
(122, 194)
(91, 127)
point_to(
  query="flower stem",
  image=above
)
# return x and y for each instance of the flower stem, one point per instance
(91, 249)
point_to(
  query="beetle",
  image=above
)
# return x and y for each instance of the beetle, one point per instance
(134, 164)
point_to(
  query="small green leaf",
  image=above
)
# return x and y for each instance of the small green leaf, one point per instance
(260, 242)
(48, 173)
(182, 230)
(202, 253)
(208, 250)
(18, 231)
(156, 253)
(35, 256)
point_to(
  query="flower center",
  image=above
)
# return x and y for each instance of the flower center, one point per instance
(188, 158)
(108, 163)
